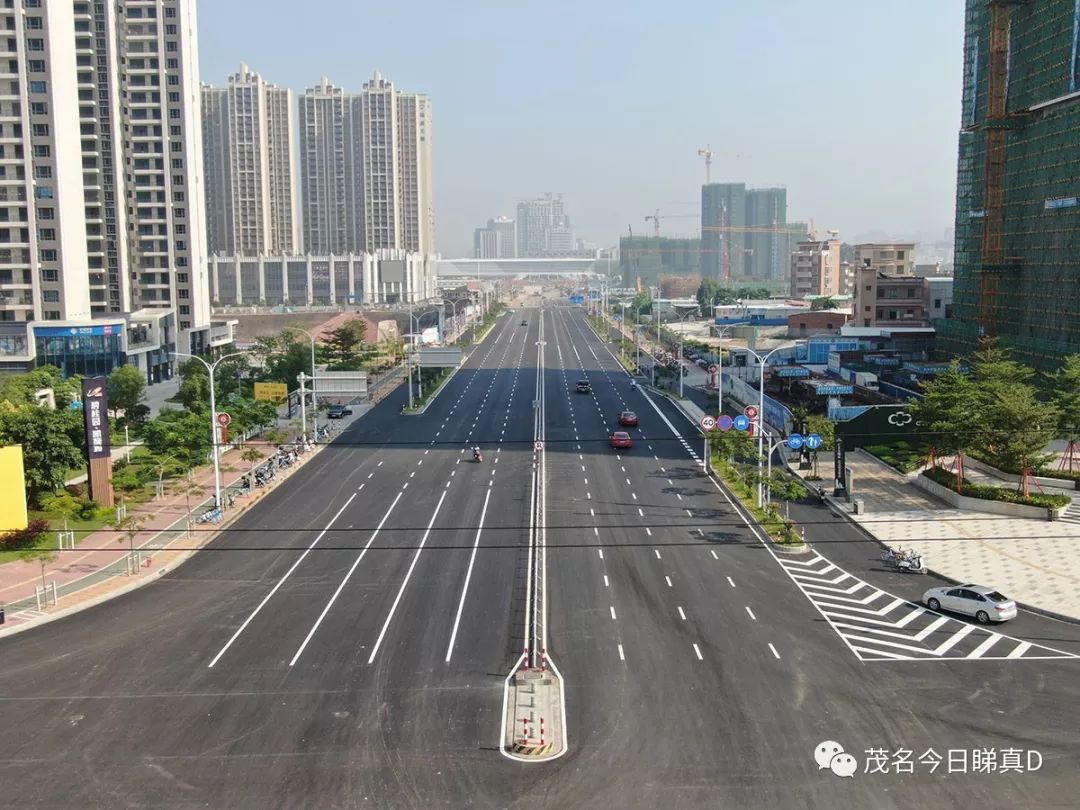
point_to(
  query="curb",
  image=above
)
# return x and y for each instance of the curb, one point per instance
(423, 408)
(147, 578)
(930, 572)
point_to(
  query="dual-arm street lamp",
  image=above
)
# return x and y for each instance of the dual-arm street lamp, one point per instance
(303, 398)
(682, 336)
(215, 445)
(453, 306)
(414, 323)
(720, 369)
(762, 362)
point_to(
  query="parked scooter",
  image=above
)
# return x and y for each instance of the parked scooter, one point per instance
(909, 562)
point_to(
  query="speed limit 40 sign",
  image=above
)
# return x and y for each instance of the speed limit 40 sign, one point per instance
(708, 422)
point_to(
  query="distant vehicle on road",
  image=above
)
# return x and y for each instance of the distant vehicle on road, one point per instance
(524, 323)
(621, 440)
(583, 387)
(985, 604)
(628, 419)
(338, 411)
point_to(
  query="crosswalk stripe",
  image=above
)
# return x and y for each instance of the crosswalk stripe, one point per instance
(846, 591)
(990, 641)
(930, 628)
(896, 644)
(954, 639)
(895, 603)
(1021, 648)
(881, 653)
(804, 577)
(802, 563)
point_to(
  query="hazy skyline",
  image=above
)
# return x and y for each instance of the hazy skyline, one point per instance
(854, 108)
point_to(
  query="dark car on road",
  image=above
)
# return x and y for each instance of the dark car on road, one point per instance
(583, 387)
(628, 419)
(338, 411)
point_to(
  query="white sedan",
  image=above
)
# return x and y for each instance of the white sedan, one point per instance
(985, 604)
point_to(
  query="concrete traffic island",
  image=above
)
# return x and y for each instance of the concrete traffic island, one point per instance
(534, 714)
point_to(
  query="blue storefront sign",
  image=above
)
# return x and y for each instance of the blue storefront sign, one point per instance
(77, 331)
(791, 371)
(577, 299)
(832, 390)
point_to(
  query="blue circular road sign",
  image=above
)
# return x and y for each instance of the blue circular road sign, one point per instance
(813, 441)
(725, 422)
(795, 441)
(742, 422)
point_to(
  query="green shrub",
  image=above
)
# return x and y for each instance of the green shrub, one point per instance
(989, 493)
(24, 538)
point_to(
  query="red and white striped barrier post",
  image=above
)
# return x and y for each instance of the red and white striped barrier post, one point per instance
(543, 660)
(541, 732)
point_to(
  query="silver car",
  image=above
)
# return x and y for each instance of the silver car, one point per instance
(985, 604)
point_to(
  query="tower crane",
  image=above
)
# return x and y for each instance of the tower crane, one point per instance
(708, 154)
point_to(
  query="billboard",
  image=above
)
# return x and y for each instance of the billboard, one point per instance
(98, 449)
(271, 392)
(77, 331)
(331, 383)
(439, 357)
(12, 489)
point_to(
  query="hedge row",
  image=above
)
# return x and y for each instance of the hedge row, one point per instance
(990, 493)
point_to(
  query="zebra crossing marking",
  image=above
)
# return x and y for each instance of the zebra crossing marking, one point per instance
(879, 626)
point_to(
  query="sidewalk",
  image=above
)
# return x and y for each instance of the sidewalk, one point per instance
(1036, 562)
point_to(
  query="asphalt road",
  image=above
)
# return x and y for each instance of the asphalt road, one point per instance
(305, 658)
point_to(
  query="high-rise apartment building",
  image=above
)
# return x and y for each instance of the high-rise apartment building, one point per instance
(366, 161)
(251, 187)
(815, 268)
(329, 189)
(101, 200)
(723, 234)
(497, 240)
(1017, 204)
(543, 229)
(745, 232)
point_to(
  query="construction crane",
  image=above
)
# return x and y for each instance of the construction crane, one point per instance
(708, 154)
(656, 217)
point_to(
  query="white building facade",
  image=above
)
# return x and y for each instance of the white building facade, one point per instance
(101, 200)
(382, 277)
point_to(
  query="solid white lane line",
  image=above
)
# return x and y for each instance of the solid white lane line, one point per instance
(612, 609)
(681, 614)
(468, 577)
(752, 616)
(731, 582)
(774, 652)
(344, 580)
(667, 579)
(622, 657)
(697, 652)
(405, 582)
(280, 582)
(711, 551)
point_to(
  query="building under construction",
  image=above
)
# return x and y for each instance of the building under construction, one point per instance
(1018, 187)
(650, 257)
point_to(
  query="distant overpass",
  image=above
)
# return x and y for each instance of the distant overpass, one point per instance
(524, 268)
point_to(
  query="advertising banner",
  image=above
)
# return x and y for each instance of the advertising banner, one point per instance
(98, 449)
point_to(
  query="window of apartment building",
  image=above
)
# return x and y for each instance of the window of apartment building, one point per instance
(170, 13)
(35, 65)
(181, 261)
(35, 44)
(47, 254)
(866, 308)
(178, 179)
(170, 30)
(174, 113)
(177, 163)
(50, 296)
(39, 108)
(50, 275)
(174, 97)
(176, 146)
(181, 244)
(174, 132)
(183, 294)
(181, 228)
(46, 213)
(173, 81)
(181, 278)
(52, 315)
(172, 64)
(170, 47)
(899, 255)
(46, 234)
(35, 23)
(43, 192)
(937, 303)
(43, 172)
(38, 87)
(180, 213)
(32, 3)
(178, 196)
(40, 130)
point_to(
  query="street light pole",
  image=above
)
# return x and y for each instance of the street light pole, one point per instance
(682, 337)
(720, 371)
(214, 445)
(762, 361)
(314, 401)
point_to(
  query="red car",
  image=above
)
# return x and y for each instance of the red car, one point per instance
(620, 440)
(628, 419)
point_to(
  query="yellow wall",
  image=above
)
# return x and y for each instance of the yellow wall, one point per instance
(12, 489)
